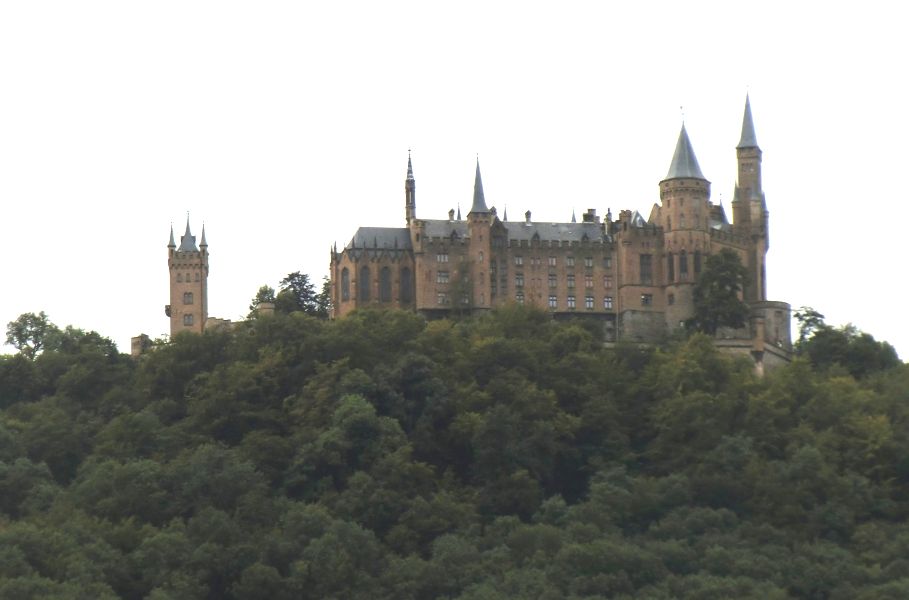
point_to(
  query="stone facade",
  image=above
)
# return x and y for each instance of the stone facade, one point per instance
(188, 268)
(635, 275)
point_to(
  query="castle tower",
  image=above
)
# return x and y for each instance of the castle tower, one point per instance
(475, 276)
(410, 193)
(685, 212)
(749, 209)
(188, 267)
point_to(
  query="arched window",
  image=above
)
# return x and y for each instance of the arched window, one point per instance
(385, 285)
(345, 285)
(363, 283)
(670, 267)
(405, 286)
(187, 297)
(683, 265)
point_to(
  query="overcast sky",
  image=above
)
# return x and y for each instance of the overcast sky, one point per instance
(285, 125)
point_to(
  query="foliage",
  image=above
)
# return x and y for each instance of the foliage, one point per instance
(31, 333)
(499, 456)
(717, 294)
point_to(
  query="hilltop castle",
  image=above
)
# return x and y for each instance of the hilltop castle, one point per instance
(636, 276)
(188, 266)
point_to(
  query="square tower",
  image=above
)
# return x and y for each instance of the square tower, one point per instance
(188, 267)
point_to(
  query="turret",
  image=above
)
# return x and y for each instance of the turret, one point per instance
(410, 193)
(479, 221)
(684, 191)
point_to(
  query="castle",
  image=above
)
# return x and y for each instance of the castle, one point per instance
(634, 275)
(188, 267)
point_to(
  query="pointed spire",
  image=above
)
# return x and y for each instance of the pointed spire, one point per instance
(409, 167)
(459, 211)
(203, 243)
(171, 243)
(505, 213)
(684, 163)
(187, 240)
(479, 199)
(574, 219)
(748, 139)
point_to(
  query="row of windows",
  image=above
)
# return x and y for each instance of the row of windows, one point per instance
(180, 278)
(571, 302)
(405, 289)
(570, 280)
(683, 265)
(569, 261)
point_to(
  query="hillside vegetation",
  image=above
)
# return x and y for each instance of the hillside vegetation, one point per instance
(505, 456)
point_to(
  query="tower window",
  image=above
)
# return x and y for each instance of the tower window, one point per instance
(345, 284)
(697, 262)
(442, 277)
(197, 276)
(187, 297)
(607, 302)
(683, 265)
(179, 277)
(646, 269)
(670, 270)
(187, 320)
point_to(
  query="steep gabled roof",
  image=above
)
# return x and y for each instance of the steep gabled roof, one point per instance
(748, 139)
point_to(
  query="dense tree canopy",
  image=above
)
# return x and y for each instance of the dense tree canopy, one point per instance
(501, 456)
(718, 294)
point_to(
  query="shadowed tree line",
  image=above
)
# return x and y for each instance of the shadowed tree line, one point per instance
(501, 456)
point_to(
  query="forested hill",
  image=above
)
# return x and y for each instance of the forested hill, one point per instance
(502, 457)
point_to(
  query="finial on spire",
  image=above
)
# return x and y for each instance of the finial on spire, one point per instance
(682, 113)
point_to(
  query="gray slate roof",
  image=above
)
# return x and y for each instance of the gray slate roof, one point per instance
(187, 241)
(479, 198)
(565, 232)
(748, 139)
(684, 163)
(381, 237)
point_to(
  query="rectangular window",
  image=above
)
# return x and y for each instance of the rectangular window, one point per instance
(535, 261)
(588, 282)
(187, 297)
(607, 302)
(607, 262)
(607, 282)
(683, 265)
(552, 261)
(553, 301)
(588, 262)
(519, 280)
(552, 280)
(519, 260)
(442, 257)
(442, 298)
(697, 262)
(519, 297)
(442, 277)
(187, 320)
(571, 302)
(646, 299)
(646, 269)
(569, 261)
(570, 280)
(588, 302)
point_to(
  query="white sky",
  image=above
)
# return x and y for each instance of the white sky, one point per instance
(285, 125)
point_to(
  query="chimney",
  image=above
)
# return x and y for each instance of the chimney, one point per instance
(527, 218)
(451, 215)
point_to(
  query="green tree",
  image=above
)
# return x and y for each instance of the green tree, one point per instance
(717, 294)
(266, 294)
(297, 294)
(31, 333)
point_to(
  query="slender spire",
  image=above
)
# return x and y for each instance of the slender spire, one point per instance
(203, 243)
(574, 219)
(409, 167)
(684, 163)
(187, 240)
(748, 139)
(479, 199)
(171, 243)
(459, 211)
(505, 213)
